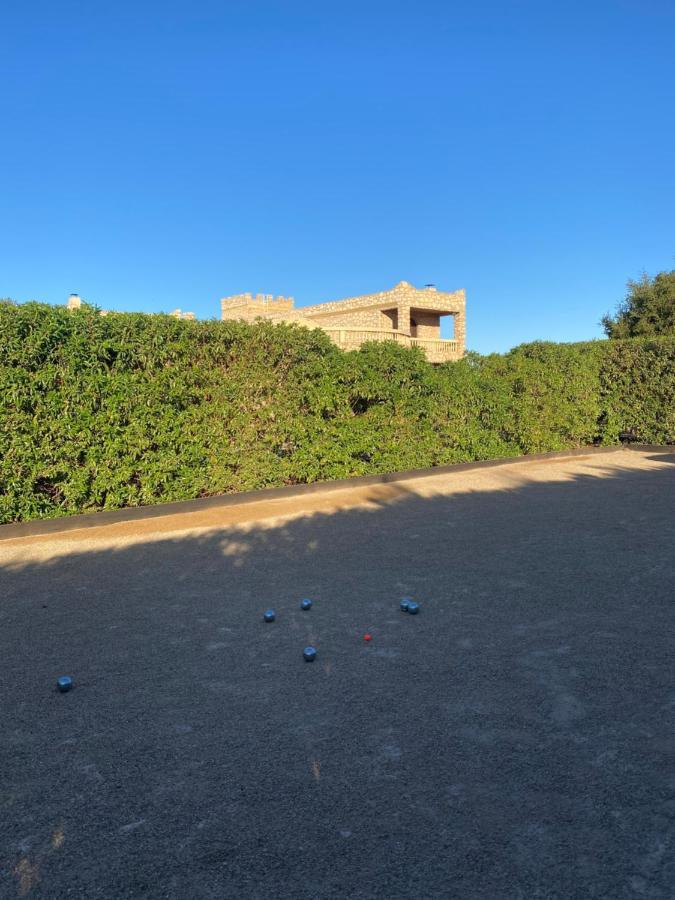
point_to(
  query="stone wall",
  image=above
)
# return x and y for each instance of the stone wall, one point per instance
(428, 324)
(366, 318)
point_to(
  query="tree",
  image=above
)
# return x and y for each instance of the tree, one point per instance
(647, 310)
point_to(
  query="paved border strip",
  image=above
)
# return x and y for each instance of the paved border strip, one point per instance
(136, 513)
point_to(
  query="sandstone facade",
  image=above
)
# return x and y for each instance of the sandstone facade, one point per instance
(406, 314)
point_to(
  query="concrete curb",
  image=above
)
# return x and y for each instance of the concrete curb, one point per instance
(179, 507)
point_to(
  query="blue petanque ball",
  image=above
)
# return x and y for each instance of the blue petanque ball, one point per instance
(64, 683)
(309, 653)
(413, 608)
(269, 615)
(306, 604)
(405, 603)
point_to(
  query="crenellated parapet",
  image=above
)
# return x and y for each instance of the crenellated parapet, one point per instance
(266, 301)
(250, 307)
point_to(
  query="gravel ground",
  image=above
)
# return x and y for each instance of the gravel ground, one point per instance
(513, 740)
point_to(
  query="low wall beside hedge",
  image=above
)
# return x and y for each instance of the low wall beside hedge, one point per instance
(126, 409)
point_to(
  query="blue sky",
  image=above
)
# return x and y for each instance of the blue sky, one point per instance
(162, 155)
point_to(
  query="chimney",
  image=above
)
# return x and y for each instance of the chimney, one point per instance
(74, 302)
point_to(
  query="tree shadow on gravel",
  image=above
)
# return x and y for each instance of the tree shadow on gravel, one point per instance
(509, 741)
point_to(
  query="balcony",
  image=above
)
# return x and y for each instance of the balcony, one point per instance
(436, 350)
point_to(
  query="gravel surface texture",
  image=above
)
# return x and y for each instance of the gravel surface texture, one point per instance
(512, 740)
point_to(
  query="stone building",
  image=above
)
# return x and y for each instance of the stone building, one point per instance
(408, 315)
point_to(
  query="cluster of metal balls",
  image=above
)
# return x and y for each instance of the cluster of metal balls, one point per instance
(409, 606)
(309, 653)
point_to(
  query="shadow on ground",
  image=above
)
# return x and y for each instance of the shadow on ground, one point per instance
(511, 741)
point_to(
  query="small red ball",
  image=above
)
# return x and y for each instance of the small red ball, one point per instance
(367, 637)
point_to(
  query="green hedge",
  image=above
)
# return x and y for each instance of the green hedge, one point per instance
(120, 410)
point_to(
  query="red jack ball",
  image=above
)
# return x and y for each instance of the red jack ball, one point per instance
(367, 637)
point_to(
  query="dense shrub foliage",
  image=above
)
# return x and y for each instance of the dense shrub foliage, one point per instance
(110, 411)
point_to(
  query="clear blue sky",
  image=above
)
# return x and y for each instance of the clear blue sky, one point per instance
(156, 155)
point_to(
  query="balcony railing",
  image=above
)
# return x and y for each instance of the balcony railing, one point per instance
(436, 350)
